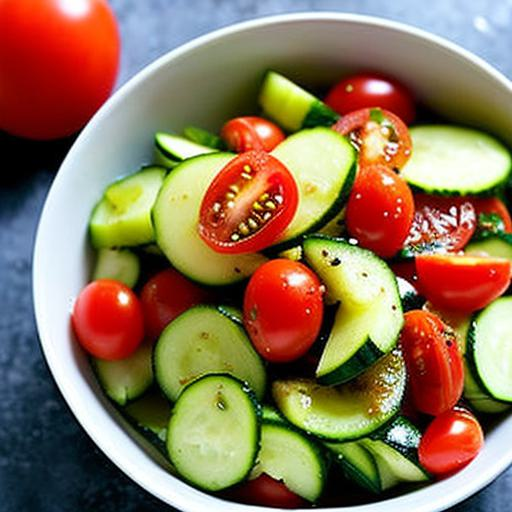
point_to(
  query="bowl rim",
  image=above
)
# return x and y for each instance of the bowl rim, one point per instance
(448, 494)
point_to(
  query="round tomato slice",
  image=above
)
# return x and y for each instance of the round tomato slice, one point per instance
(247, 133)
(450, 442)
(433, 360)
(441, 224)
(371, 90)
(379, 135)
(248, 205)
(492, 206)
(462, 283)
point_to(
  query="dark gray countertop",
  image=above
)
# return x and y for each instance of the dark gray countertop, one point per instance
(47, 463)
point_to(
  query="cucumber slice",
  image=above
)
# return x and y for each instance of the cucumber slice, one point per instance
(358, 464)
(291, 106)
(204, 137)
(232, 313)
(119, 264)
(489, 349)
(323, 164)
(176, 216)
(498, 245)
(369, 318)
(289, 456)
(176, 148)
(123, 215)
(346, 412)
(478, 398)
(456, 161)
(214, 431)
(126, 379)
(409, 296)
(202, 340)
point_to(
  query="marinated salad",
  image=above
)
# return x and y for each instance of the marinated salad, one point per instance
(311, 300)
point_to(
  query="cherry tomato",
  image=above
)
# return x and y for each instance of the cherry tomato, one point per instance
(462, 283)
(441, 224)
(493, 205)
(407, 270)
(283, 309)
(434, 363)
(107, 319)
(58, 64)
(165, 296)
(267, 492)
(450, 442)
(248, 204)
(379, 210)
(247, 133)
(371, 90)
(378, 135)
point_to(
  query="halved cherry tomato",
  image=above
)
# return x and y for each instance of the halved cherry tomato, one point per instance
(248, 205)
(283, 309)
(441, 224)
(247, 133)
(407, 270)
(433, 360)
(493, 205)
(380, 210)
(450, 442)
(371, 90)
(107, 319)
(267, 492)
(379, 135)
(165, 296)
(462, 283)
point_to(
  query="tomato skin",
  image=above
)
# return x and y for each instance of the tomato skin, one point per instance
(441, 224)
(58, 63)
(371, 90)
(165, 296)
(450, 442)
(268, 492)
(283, 309)
(462, 283)
(380, 210)
(247, 133)
(379, 135)
(434, 362)
(107, 319)
(254, 188)
(494, 205)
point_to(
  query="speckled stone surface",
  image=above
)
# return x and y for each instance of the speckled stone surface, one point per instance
(47, 463)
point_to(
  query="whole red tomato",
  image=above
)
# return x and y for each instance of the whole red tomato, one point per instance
(58, 64)
(283, 309)
(248, 133)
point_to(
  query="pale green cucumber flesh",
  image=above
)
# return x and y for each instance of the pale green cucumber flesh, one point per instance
(496, 246)
(179, 148)
(120, 264)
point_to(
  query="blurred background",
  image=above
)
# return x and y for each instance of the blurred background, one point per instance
(47, 463)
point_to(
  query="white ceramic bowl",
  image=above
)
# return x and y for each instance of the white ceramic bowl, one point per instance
(202, 83)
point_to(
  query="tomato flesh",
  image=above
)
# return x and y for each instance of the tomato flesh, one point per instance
(107, 319)
(283, 309)
(441, 224)
(58, 64)
(380, 210)
(248, 204)
(434, 363)
(248, 133)
(379, 135)
(450, 442)
(371, 90)
(165, 296)
(462, 283)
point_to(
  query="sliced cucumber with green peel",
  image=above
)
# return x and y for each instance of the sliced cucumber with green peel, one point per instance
(291, 106)
(369, 318)
(176, 218)
(204, 137)
(498, 245)
(323, 164)
(489, 349)
(214, 432)
(409, 296)
(203, 340)
(347, 412)
(120, 264)
(126, 379)
(122, 218)
(479, 399)
(290, 457)
(455, 160)
(176, 149)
